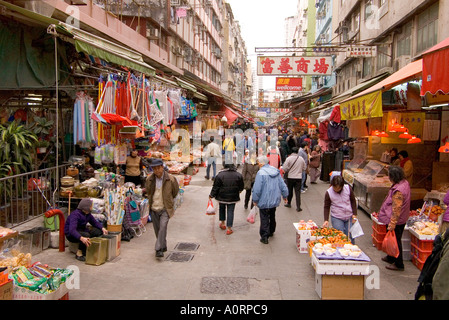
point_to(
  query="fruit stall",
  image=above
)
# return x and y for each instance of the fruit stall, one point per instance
(421, 228)
(340, 267)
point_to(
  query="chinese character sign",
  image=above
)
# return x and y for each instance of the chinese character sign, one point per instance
(294, 66)
(367, 106)
(361, 51)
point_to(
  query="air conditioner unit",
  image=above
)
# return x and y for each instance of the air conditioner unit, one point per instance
(188, 55)
(153, 34)
(175, 3)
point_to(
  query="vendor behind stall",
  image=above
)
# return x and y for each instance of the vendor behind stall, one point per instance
(407, 165)
(133, 168)
(76, 230)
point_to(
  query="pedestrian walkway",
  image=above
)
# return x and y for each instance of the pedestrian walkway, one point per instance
(203, 263)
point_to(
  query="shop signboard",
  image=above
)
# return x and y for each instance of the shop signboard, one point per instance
(288, 84)
(367, 106)
(294, 66)
(361, 52)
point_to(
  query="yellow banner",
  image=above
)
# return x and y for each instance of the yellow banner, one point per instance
(368, 106)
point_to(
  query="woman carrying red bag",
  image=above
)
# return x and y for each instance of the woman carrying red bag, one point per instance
(395, 212)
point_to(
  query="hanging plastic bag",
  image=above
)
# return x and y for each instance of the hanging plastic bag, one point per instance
(252, 215)
(390, 244)
(356, 229)
(98, 155)
(210, 211)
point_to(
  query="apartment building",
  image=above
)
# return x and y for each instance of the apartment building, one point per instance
(399, 33)
(234, 78)
(326, 22)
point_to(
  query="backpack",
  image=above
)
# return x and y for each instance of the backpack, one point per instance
(425, 290)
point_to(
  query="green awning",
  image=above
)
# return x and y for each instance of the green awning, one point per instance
(185, 85)
(200, 96)
(108, 51)
(107, 56)
(30, 14)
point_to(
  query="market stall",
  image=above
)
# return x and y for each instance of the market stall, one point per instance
(23, 279)
(419, 233)
(340, 267)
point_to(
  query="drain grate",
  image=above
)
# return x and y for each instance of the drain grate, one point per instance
(225, 285)
(187, 246)
(180, 257)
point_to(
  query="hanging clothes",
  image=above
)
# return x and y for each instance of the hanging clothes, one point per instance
(81, 119)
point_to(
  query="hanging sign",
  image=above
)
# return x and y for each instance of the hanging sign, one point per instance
(288, 84)
(294, 66)
(367, 106)
(361, 51)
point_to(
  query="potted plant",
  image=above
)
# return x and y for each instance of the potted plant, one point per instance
(16, 143)
(42, 145)
(42, 127)
(5, 192)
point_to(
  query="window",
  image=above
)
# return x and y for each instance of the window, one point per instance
(404, 43)
(367, 66)
(383, 57)
(369, 10)
(427, 28)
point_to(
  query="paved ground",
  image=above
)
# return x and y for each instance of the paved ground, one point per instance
(235, 267)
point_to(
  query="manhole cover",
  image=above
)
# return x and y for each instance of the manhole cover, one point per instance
(225, 285)
(186, 246)
(179, 257)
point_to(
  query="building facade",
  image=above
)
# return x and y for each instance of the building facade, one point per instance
(399, 33)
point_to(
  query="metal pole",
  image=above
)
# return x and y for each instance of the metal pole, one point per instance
(55, 37)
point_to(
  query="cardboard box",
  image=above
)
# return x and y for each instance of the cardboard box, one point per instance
(302, 239)
(97, 252)
(338, 287)
(340, 267)
(119, 241)
(6, 290)
(21, 293)
(113, 245)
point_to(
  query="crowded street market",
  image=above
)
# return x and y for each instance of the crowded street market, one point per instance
(141, 161)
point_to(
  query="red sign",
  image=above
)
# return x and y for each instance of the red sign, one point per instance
(288, 84)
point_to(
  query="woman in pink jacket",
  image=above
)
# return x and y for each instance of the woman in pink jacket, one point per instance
(395, 211)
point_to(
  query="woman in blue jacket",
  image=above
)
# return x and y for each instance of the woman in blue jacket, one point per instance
(268, 189)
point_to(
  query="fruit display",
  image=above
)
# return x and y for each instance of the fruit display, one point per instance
(425, 227)
(309, 225)
(329, 236)
(433, 212)
(349, 250)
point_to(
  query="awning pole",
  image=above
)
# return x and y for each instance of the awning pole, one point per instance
(52, 30)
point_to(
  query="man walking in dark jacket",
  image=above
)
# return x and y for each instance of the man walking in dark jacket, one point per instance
(226, 189)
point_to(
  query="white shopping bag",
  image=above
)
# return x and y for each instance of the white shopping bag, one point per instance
(252, 215)
(210, 211)
(356, 229)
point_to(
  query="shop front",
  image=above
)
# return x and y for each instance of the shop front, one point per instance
(385, 116)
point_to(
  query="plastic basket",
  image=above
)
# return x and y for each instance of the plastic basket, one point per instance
(377, 235)
(418, 253)
(376, 243)
(379, 228)
(424, 245)
(418, 263)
